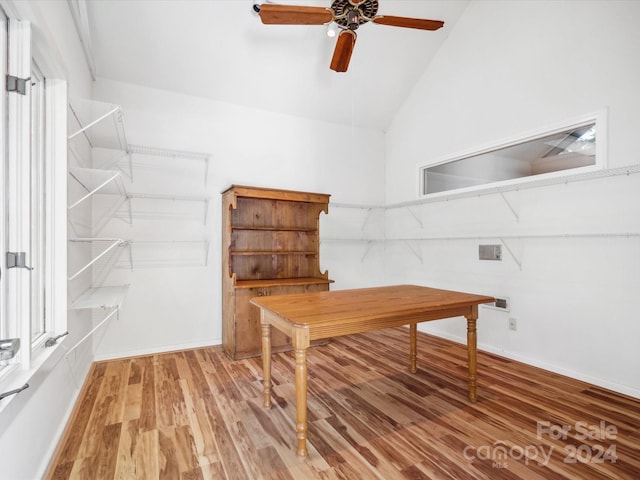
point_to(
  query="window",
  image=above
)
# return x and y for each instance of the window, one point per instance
(559, 152)
(32, 205)
(38, 204)
(4, 324)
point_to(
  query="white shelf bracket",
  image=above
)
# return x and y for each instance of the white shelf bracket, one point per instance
(206, 210)
(416, 218)
(416, 251)
(130, 210)
(366, 219)
(206, 172)
(366, 252)
(127, 243)
(510, 207)
(130, 162)
(515, 259)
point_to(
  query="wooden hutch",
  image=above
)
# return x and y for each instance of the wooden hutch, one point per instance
(270, 246)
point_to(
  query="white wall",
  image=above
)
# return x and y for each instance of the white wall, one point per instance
(171, 307)
(509, 68)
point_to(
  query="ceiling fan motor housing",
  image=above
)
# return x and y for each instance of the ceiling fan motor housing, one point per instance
(351, 14)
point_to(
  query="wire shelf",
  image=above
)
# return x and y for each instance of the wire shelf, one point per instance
(101, 297)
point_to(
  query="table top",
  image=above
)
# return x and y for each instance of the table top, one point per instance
(341, 312)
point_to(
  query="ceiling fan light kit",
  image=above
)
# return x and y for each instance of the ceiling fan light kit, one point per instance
(348, 15)
(332, 30)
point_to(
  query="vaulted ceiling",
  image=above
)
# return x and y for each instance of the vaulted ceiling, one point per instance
(220, 50)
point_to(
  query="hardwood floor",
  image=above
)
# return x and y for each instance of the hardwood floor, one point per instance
(197, 415)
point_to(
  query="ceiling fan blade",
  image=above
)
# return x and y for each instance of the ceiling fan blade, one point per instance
(344, 49)
(294, 15)
(419, 23)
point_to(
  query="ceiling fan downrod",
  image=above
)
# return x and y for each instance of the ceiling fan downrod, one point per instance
(353, 20)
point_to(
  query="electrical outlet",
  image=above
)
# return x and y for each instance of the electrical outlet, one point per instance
(513, 324)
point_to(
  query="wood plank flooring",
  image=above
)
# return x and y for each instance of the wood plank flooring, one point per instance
(197, 415)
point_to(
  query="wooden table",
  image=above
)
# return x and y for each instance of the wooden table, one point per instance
(311, 316)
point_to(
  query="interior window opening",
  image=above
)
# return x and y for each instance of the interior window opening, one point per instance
(561, 151)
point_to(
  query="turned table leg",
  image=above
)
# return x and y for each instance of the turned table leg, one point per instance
(301, 401)
(266, 364)
(472, 349)
(413, 328)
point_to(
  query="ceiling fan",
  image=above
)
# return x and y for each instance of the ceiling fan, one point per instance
(347, 14)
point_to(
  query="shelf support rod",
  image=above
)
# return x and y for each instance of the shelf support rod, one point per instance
(115, 244)
(115, 311)
(106, 182)
(515, 259)
(111, 112)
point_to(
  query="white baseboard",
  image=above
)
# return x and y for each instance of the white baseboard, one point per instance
(159, 349)
(600, 382)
